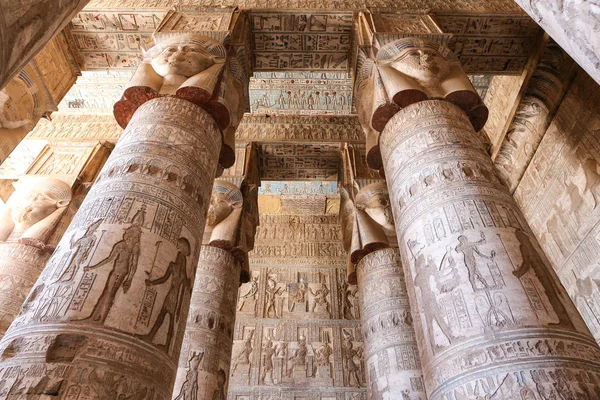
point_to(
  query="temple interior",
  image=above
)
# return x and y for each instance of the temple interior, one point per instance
(299, 199)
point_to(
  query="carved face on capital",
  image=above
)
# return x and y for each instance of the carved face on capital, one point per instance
(220, 207)
(40, 201)
(376, 204)
(183, 60)
(422, 64)
(16, 105)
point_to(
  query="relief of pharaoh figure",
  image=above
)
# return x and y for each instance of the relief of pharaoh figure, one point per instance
(32, 212)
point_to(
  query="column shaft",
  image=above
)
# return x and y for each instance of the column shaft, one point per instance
(20, 266)
(206, 352)
(491, 319)
(106, 318)
(391, 354)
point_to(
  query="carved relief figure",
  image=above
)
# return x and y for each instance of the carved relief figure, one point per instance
(179, 284)
(320, 297)
(468, 250)
(124, 258)
(267, 361)
(219, 393)
(427, 272)
(243, 357)
(80, 249)
(298, 358)
(271, 291)
(250, 295)
(351, 368)
(531, 260)
(189, 389)
(33, 211)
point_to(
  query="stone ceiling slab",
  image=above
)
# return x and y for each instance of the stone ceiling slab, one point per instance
(283, 162)
(301, 41)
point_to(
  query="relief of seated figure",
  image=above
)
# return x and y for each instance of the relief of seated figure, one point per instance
(32, 212)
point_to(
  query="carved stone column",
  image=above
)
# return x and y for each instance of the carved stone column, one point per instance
(106, 319)
(203, 371)
(27, 222)
(205, 361)
(25, 28)
(391, 354)
(544, 94)
(491, 318)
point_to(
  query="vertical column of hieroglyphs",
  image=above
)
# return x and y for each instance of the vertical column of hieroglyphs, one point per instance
(491, 318)
(545, 90)
(204, 364)
(107, 316)
(297, 332)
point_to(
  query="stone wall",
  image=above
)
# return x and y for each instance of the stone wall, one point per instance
(297, 315)
(560, 196)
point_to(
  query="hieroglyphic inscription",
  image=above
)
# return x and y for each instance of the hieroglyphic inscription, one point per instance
(123, 272)
(279, 128)
(391, 354)
(299, 162)
(301, 41)
(496, 6)
(475, 265)
(560, 196)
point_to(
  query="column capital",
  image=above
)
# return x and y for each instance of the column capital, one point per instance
(208, 69)
(407, 71)
(231, 222)
(367, 223)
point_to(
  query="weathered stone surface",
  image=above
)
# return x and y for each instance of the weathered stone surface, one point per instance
(575, 26)
(26, 27)
(560, 196)
(391, 355)
(120, 311)
(476, 269)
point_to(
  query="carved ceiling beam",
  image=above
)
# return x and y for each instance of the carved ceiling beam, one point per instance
(25, 28)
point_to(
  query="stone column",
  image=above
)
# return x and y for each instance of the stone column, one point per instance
(25, 28)
(393, 367)
(203, 371)
(27, 222)
(491, 318)
(544, 93)
(107, 316)
(391, 354)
